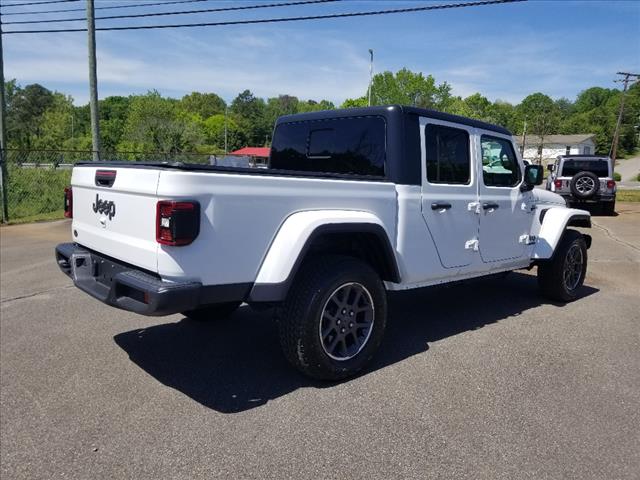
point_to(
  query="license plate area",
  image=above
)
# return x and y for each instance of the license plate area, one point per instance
(105, 271)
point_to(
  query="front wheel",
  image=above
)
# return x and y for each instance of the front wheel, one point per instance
(334, 317)
(561, 277)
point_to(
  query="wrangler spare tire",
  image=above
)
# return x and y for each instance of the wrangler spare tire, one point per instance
(584, 185)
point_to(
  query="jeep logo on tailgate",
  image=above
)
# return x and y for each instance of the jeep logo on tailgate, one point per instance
(107, 207)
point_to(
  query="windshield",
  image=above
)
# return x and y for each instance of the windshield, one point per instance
(598, 166)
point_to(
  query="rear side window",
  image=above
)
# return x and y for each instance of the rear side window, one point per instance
(599, 167)
(352, 146)
(499, 162)
(448, 159)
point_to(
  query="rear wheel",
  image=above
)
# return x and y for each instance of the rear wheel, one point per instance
(216, 311)
(561, 277)
(334, 317)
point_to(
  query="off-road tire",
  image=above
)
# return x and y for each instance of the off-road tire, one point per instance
(218, 311)
(300, 315)
(551, 273)
(576, 191)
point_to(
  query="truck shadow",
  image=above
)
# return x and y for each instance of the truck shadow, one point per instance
(236, 364)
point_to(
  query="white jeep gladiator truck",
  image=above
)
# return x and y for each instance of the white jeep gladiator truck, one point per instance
(354, 203)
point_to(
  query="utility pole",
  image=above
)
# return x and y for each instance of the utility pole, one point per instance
(370, 74)
(93, 81)
(4, 179)
(226, 112)
(625, 80)
(524, 138)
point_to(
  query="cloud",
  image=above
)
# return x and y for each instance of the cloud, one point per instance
(179, 63)
(501, 56)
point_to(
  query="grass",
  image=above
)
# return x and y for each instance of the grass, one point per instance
(35, 194)
(628, 196)
(39, 217)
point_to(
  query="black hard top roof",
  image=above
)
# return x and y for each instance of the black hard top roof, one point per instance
(391, 110)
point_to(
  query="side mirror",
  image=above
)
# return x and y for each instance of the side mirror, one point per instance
(550, 167)
(533, 175)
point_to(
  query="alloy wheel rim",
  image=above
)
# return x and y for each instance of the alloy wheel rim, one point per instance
(585, 184)
(573, 266)
(346, 321)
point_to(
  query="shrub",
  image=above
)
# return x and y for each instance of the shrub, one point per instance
(33, 192)
(617, 177)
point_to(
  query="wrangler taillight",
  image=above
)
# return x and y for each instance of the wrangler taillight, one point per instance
(68, 202)
(611, 184)
(558, 183)
(177, 223)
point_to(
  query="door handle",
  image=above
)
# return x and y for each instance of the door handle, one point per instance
(490, 206)
(440, 206)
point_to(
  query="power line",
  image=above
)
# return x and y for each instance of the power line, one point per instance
(38, 3)
(184, 12)
(106, 8)
(280, 20)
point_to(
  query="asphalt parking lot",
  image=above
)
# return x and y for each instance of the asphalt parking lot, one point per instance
(480, 380)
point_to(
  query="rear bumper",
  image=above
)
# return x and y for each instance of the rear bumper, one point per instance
(126, 287)
(607, 197)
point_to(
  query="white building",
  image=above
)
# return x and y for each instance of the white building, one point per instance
(554, 145)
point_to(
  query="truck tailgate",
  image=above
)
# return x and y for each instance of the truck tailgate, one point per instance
(117, 220)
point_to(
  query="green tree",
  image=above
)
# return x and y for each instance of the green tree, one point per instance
(405, 88)
(503, 113)
(25, 111)
(203, 104)
(214, 127)
(594, 97)
(55, 124)
(541, 115)
(313, 106)
(113, 117)
(155, 123)
(478, 106)
(249, 113)
(279, 106)
(355, 102)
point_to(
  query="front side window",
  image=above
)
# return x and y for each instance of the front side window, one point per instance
(447, 152)
(499, 162)
(350, 146)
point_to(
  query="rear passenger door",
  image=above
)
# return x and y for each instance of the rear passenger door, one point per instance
(449, 190)
(505, 212)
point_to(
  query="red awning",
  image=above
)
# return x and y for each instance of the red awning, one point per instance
(253, 151)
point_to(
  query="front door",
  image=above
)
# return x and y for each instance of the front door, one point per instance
(505, 212)
(449, 190)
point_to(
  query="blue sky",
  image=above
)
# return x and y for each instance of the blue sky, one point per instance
(503, 51)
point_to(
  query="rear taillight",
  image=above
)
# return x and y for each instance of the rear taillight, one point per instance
(177, 223)
(611, 184)
(68, 202)
(558, 183)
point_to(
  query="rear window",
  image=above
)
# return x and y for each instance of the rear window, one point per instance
(352, 146)
(599, 167)
(447, 155)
